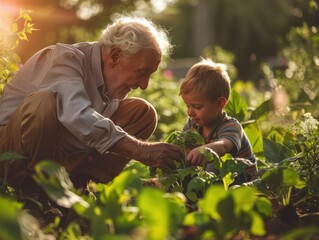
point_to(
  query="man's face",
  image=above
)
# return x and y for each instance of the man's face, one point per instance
(124, 73)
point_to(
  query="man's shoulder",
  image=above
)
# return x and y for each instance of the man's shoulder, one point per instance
(77, 48)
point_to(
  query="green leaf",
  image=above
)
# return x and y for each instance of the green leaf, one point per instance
(175, 137)
(235, 165)
(54, 179)
(228, 179)
(191, 196)
(244, 199)
(196, 218)
(22, 36)
(262, 110)
(11, 156)
(183, 172)
(193, 139)
(257, 224)
(255, 137)
(123, 181)
(263, 206)
(197, 184)
(177, 209)
(25, 14)
(209, 203)
(210, 156)
(275, 152)
(9, 226)
(154, 210)
(227, 224)
(168, 181)
(283, 177)
(236, 106)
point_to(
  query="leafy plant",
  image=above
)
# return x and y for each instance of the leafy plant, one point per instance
(9, 157)
(116, 210)
(54, 179)
(191, 180)
(221, 213)
(9, 40)
(194, 180)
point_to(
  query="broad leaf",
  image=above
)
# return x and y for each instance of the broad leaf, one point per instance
(7, 156)
(154, 210)
(275, 152)
(255, 137)
(54, 179)
(262, 110)
(236, 106)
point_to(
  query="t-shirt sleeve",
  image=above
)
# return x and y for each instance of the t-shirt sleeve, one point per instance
(232, 131)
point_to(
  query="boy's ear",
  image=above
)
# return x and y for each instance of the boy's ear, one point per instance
(221, 102)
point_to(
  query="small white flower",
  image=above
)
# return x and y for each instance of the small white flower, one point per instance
(282, 111)
(309, 124)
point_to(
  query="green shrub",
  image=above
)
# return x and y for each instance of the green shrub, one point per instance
(11, 36)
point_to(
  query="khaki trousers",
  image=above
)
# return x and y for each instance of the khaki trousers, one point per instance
(35, 132)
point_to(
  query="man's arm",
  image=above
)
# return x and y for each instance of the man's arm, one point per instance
(158, 154)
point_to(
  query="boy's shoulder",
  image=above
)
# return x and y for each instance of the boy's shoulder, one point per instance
(229, 119)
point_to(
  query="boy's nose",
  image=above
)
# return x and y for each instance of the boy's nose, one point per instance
(143, 83)
(190, 112)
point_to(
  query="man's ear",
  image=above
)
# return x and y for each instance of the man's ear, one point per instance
(111, 56)
(115, 54)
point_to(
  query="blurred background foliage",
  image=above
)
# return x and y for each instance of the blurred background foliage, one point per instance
(270, 47)
(251, 29)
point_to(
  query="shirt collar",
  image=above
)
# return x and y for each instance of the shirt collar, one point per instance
(96, 64)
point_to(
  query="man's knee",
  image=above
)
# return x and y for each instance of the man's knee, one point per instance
(41, 105)
(137, 117)
(144, 109)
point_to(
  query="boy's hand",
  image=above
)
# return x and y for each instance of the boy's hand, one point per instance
(194, 157)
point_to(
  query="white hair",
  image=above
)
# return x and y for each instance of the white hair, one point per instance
(131, 34)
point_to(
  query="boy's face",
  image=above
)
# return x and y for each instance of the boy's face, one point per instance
(202, 110)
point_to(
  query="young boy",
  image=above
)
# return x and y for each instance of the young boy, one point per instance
(205, 91)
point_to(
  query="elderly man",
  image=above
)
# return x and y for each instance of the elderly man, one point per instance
(69, 103)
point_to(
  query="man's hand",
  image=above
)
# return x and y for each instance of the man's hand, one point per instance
(160, 155)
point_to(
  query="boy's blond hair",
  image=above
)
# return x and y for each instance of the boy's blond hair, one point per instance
(209, 78)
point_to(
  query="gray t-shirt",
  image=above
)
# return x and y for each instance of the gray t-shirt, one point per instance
(230, 128)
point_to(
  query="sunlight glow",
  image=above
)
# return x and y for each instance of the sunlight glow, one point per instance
(88, 10)
(67, 4)
(6, 32)
(160, 6)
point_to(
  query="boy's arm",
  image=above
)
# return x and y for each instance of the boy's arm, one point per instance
(221, 147)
